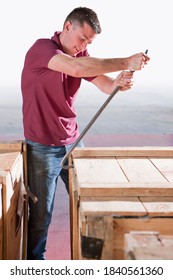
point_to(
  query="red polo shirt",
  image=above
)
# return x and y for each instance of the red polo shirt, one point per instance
(48, 96)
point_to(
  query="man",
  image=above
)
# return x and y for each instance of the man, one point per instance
(51, 78)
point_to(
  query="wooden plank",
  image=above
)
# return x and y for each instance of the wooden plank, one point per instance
(153, 253)
(14, 227)
(158, 206)
(119, 206)
(108, 237)
(140, 170)
(12, 146)
(166, 240)
(8, 160)
(125, 189)
(148, 245)
(165, 166)
(122, 151)
(74, 215)
(25, 216)
(123, 226)
(13, 175)
(98, 170)
(136, 239)
(101, 228)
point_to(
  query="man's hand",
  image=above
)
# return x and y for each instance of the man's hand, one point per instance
(124, 80)
(137, 61)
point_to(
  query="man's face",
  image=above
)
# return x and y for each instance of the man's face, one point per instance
(77, 37)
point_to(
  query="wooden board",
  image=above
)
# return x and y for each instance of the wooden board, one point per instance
(95, 170)
(158, 206)
(98, 190)
(165, 166)
(139, 169)
(101, 152)
(11, 146)
(153, 253)
(148, 246)
(118, 206)
(131, 206)
(74, 215)
(166, 240)
(99, 227)
(7, 160)
(122, 226)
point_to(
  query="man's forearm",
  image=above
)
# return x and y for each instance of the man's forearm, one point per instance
(90, 66)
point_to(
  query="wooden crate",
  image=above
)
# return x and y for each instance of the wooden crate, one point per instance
(117, 190)
(12, 201)
(148, 246)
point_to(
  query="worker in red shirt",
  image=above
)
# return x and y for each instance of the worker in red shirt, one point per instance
(51, 77)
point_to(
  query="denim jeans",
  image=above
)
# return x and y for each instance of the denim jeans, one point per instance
(43, 172)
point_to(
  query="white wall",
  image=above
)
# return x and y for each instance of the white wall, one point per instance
(128, 27)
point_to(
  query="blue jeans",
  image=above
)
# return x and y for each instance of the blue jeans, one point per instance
(43, 172)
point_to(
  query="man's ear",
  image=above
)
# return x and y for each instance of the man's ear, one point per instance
(67, 26)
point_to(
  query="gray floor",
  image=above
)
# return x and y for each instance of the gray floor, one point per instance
(129, 112)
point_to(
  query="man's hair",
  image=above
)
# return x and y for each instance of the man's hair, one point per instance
(81, 15)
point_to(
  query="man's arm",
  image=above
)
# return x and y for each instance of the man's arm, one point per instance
(90, 66)
(107, 84)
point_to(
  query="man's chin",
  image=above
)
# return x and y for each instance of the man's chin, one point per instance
(73, 53)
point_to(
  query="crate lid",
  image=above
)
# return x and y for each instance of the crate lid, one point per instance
(133, 173)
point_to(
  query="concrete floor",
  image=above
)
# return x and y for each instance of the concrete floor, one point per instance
(58, 245)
